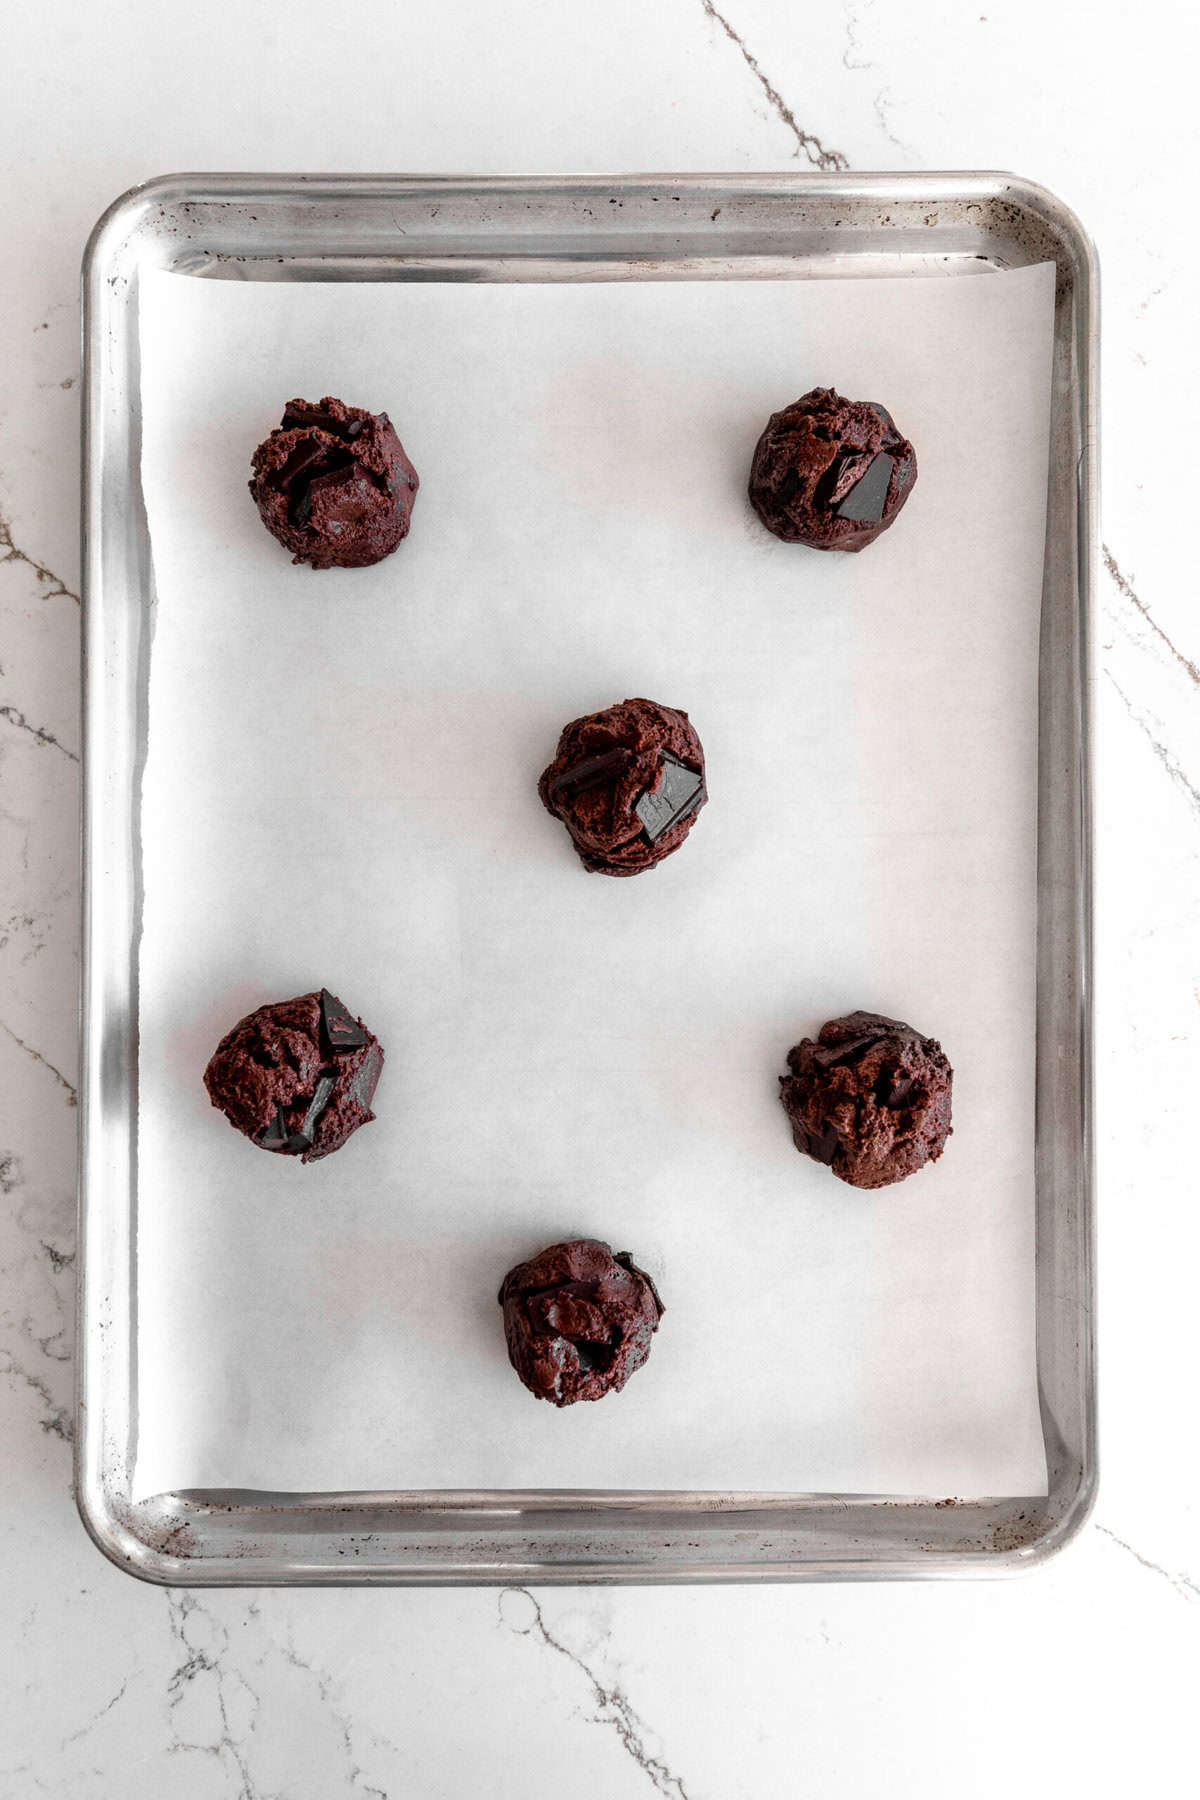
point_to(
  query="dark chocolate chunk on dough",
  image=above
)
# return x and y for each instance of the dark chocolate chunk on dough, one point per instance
(831, 473)
(627, 783)
(333, 484)
(297, 1077)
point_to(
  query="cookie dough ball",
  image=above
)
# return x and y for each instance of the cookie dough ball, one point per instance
(333, 484)
(627, 783)
(870, 1097)
(297, 1077)
(831, 473)
(578, 1321)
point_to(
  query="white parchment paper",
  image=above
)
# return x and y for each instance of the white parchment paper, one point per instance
(340, 790)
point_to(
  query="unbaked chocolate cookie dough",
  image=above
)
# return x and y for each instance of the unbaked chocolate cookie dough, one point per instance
(297, 1077)
(831, 473)
(578, 1320)
(627, 783)
(333, 484)
(870, 1097)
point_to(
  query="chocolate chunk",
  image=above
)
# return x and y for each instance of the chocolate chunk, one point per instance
(826, 1055)
(894, 1090)
(789, 487)
(309, 418)
(865, 502)
(592, 772)
(307, 454)
(678, 793)
(316, 420)
(366, 1078)
(847, 468)
(275, 1137)
(340, 1029)
(299, 482)
(317, 1105)
(336, 474)
(820, 1145)
(599, 782)
(625, 1259)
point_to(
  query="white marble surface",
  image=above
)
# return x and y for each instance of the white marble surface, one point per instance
(1076, 1678)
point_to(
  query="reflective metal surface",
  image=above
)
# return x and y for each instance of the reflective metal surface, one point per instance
(392, 228)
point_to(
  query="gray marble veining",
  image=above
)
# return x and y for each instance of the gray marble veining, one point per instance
(112, 1688)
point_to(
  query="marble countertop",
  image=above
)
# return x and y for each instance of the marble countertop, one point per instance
(1079, 1677)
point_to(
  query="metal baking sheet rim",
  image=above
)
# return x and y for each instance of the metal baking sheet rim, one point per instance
(244, 226)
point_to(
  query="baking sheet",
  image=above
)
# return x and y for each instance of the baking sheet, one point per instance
(340, 789)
